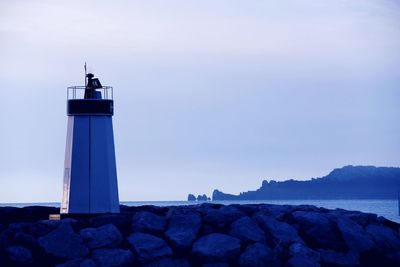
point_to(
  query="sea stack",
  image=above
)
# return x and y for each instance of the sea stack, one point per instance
(90, 174)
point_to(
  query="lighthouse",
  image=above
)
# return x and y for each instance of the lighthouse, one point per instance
(90, 175)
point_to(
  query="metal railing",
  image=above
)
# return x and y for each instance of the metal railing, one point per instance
(78, 92)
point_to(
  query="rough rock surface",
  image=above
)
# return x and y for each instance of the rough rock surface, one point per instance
(149, 247)
(148, 222)
(183, 229)
(64, 242)
(105, 236)
(209, 235)
(216, 247)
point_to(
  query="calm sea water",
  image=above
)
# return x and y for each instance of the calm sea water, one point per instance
(386, 208)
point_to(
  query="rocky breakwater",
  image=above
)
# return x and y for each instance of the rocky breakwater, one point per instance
(199, 235)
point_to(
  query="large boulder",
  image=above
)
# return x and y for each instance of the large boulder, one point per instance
(300, 255)
(222, 217)
(25, 240)
(361, 218)
(259, 255)
(273, 211)
(183, 229)
(216, 247)
(247, 230)
(338, 259)
(105, 236)
(281, 232)
(113, 257)
(148, 222)
(19, 255)
(122, 221)
(318, 231)
(385, 238)
(64, 242)
(149, 247)
(43, 227)
(355, 237)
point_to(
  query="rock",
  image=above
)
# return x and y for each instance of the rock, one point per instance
(355, 237)
(317, 231)
(333, 258)
(222, 217)
(247, 230)
(216, 247)
(122, 221)
(64, 242)
(105, 236)
(202, 198)
(183, 229)
(274, 211)
(258, 255)
(25, 240)
(384, 237)
(191, 197)
(5, 238)
(78, 263)
(113, 257)
(281, 232)
(148, 222)
(169, 263)
(19, 255)
(300, 255)
(43, 227)
(149, 247)
(361, 218)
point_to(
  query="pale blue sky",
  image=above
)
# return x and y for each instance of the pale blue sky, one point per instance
(208, 94)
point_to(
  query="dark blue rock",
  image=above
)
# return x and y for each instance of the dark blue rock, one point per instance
(300, 255)
(105, 236)
(122, 221)
(281, 232)
(43, 227)
(5, 238)
(333, 258)
(316, 229)
(216, 247)
(113, 257)
(25, 240)
(222, 217)
(273, 211)
(259, 255)
(148, 222)
(361, 218)
(183, 229)
(169, 263)
(78, 263)
(247, 230)
(149, 247)
(19, 255)
(384, 237)
(355, 237)
(64, 242)
(191, 197)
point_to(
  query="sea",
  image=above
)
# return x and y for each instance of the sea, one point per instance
(382, 207)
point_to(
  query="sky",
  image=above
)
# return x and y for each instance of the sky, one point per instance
(207, 94)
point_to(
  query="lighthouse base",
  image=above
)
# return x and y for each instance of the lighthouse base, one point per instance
(90, 175)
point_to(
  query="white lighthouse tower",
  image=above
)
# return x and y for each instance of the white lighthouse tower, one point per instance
(90, 174)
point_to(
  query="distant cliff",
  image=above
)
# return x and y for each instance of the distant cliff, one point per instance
(349, 182)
